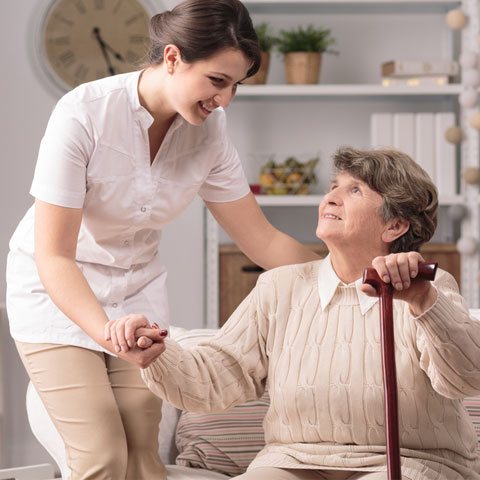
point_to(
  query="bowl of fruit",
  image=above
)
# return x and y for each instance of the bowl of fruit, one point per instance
(290, 177)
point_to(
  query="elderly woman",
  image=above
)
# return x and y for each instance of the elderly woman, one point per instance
(309, 333)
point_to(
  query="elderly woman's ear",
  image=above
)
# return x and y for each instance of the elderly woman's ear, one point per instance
(394, 229)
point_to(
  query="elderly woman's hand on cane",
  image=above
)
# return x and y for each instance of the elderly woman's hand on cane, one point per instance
(400, 270)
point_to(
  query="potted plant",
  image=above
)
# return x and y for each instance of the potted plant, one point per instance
(303, 48)
(267, 42)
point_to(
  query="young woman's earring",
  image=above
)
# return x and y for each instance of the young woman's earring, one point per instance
(170, 68)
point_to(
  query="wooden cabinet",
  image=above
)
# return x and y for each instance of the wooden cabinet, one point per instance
(238, 274)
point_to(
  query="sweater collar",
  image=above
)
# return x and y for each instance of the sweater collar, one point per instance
(328, 283)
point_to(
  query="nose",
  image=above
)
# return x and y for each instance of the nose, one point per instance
(332, 197)
(223, 98)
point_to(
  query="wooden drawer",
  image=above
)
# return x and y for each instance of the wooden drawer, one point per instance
(238, 274)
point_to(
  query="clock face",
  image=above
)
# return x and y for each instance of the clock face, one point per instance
(83, 40)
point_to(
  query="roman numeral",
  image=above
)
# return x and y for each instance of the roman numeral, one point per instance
(67, 58)
(137, 38)
(62, 19)
(133, 19)
(80, 7)
(60, 41)
(80, 73)
(117, 6)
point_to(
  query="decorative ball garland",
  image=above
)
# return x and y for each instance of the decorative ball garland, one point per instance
(467, 245)
(456, 19)
(468, 98)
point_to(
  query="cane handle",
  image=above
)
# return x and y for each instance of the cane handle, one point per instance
(426, 271)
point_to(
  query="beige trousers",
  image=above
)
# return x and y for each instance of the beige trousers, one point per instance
(270, 473)
(105, 414)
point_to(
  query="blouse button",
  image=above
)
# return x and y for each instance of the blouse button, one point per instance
(126, 242)
(114, 305)
(143, 209)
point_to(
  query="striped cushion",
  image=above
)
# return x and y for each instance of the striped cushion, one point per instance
(225, 442)
(473, 406)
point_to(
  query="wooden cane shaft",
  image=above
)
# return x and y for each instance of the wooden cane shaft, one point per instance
(426, 271)
(389, 382)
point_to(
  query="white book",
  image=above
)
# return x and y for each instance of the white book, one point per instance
(445, 155)
(419, 67)
(404, 133)
(429, 80)
(425, 142)
(381, 130)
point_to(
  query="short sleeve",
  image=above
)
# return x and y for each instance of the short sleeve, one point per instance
(226, 181)
(60, 173)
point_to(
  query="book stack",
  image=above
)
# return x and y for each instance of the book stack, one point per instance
(422, 136)
(412, 73)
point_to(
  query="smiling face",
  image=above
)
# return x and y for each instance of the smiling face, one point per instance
(194, 90)
(349, 217)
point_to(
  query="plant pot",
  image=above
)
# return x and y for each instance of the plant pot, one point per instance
(302, 67)
(261, 76)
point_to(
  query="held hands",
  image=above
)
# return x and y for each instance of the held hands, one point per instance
(135, 340)
(400, 269)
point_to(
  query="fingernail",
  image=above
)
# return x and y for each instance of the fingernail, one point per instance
(386, 278)
(117, 348)
(406, 285)
(163, 333)
(399, 286)
(414, 274)
(129, 343)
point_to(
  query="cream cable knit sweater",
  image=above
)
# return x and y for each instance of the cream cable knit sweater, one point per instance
(324, 375)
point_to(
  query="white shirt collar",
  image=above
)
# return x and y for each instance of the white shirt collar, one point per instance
(328, 282)
(143, 114)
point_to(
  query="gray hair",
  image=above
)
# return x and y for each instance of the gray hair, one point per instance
(407, 190)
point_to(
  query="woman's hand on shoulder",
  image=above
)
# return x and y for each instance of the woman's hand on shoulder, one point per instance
(401, 270)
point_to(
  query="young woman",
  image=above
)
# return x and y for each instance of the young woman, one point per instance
(310, 334)
(121, 157)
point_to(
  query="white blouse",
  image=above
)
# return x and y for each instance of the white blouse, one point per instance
(95, 155)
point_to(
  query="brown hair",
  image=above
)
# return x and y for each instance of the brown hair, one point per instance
(200, 28)
(407, 190)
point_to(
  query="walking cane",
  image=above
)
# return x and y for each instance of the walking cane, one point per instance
(426, 271)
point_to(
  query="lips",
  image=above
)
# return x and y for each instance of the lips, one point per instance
(330, 216)
(206, 108)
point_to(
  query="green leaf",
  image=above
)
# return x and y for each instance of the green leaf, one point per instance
(309, 39)
(265, 38)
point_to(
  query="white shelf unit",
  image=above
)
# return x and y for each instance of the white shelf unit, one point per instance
(251, 4)
(342, 92)
(345, 91)
(340, 6)
(314, 200)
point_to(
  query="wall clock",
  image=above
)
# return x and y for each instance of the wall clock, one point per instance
(83, 40)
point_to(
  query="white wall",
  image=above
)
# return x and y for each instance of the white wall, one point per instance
(25, 106)
(26, 103)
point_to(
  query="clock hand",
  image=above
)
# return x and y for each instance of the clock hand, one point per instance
(103, 47)
(117, 55)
